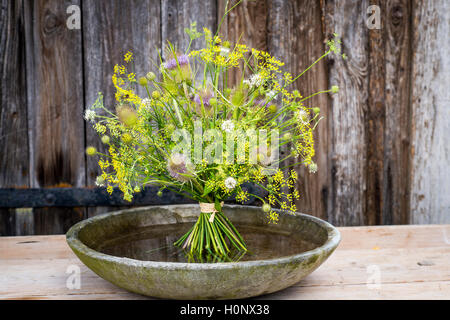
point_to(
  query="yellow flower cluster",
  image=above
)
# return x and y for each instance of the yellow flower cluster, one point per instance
(278, 196)
(128, 57)
(100, 128)
(120, 69)
(124, 94)
(242, 196)
(219, 55)
(267, 62)
(304, 147)
(121, 174)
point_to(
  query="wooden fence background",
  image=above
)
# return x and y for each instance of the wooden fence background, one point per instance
(383, 151)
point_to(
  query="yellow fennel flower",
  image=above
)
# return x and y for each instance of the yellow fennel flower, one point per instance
(128, 57)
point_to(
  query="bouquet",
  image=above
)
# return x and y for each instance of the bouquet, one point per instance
(196, 135)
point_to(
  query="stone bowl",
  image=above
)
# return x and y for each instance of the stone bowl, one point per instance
(178, 280)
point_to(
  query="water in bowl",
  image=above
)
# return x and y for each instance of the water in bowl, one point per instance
(155, 243)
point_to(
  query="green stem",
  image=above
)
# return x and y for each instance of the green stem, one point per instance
(206, 237)
(323, 56)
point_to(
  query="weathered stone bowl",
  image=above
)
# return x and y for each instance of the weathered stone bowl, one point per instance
(175, 280)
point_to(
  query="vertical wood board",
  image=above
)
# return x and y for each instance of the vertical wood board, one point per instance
(55, 107)
(430, 103)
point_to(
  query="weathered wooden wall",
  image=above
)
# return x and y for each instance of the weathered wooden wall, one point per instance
(383, 149)
(14, 152)
(430, 107)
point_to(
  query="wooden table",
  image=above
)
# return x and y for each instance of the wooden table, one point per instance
(382, 262)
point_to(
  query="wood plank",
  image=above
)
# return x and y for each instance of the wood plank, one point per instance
(17, 283)
(414, 291)
(287, 39)
(400, 277)
(430, 151)
(397, 135)
(13, 119)
(396, 291)
(345, 267)
(111, 29)
(13, 111)
(409, 237)
(34, 248)
(55, 107)
(395, 250)
(348, 134)
(375, 120)
(388, 116)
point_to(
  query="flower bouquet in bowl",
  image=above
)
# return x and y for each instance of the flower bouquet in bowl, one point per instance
(196, 135)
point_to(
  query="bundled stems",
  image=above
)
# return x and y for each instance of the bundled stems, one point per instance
(215, 235)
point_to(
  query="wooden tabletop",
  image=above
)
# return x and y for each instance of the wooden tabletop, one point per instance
(382, 262)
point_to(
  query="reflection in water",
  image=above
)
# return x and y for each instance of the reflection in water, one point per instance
(156, 244)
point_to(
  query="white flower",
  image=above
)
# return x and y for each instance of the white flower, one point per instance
(100, 182)
(271, 94)
(224, 51)
(146, 102)
(89, 115)
(302, 116)
(313, 168)
(230, 183)
(228, 126)
(255, 80)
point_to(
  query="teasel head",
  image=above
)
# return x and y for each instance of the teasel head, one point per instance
(177, 66)
(238, 96)
(204, 95)
(127, 115)
(179, 167)
(171, 63)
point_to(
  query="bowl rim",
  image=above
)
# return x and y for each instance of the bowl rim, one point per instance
(333, 240)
